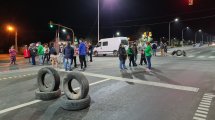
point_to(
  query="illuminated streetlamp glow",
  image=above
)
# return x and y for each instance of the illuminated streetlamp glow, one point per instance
(64, 30)
(10, 28)
(118, 33)
(175, 20)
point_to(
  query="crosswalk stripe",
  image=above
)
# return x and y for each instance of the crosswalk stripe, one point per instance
(211, 57)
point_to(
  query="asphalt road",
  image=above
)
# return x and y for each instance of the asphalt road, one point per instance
(178, 88)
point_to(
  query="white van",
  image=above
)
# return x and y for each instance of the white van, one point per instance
(110, 46)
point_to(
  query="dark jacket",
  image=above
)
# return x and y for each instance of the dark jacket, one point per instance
(82, 49)
(154, 46)
(33, 51)
(52, 50)
(122, 53)
(68, 52)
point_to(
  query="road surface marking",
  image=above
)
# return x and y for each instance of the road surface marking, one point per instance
(203, 112)
(203, 103)
(200, 115)
(4, 78)
(190, 56)
(201, 57)
(204, 107)
(15, 76)
(157, 84)
(37, 101)
(10, 77)
(198, 118)
(211, 57)
(24, 75)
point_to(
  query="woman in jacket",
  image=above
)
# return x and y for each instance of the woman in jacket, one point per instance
(122, 57)
(26, 53)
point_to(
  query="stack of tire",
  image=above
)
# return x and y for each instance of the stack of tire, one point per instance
(48, 92)
(75, 100)
(179, 52)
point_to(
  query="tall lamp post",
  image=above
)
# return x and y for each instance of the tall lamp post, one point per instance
(196, 34)
(11, 29)
(183, 32)
(175, 20)
(98, 19)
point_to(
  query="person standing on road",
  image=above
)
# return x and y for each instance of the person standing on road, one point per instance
(53, 55)
(46, 53)
(154, 49)
(75, 55)
(165, 49)
(82, 54)
(162, 48)
(91, 52)
(148, 53)
(68, 57)
(143, 58)
(12, 53)
(135, 52)
(33, 52)
(26, 53)
(40, 52)
(122, 57)
(130, 53)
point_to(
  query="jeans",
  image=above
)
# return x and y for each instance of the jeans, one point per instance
(46, 56)
(148, 58)
(131, 60)
(67, 64)
(82, 59)
(122, 64)
(91, 57)
(154, 52)
(41, 59)
(33, 60)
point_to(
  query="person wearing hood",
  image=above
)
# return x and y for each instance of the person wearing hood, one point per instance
(68, 56)
(82, 54)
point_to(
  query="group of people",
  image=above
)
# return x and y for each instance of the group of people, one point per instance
(48, 53)
(132, 52)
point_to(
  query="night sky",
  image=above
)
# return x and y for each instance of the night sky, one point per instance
(130, 17)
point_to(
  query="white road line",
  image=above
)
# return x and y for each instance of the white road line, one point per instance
(205, 106)
(4, 78)
(190, 56)
(198, 118)
(210, 99)
(37, 101)
(201, 57)
(208, 95)
(205, 103)
(211, 57)
(203, 112)
(200, 115)
(19, 106)
(10, 77)
(157, 84)
(201, 108)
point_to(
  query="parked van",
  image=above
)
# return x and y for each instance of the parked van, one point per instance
(110, 46)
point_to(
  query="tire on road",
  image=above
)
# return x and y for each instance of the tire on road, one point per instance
(72, 105)
(41, 78)
(184, 53)
(47, 95)
(115, 53)
(179, 52)
(83, 82)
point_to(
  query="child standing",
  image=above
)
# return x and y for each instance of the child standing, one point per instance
(12, 52)
(143, 58)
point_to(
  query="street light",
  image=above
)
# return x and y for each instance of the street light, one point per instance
(183, 32)
(64, 30)
(175, 20)
(200, 31)
(118, 34)
(11, 29)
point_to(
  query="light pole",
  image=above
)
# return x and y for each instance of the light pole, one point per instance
(11, 29)
(196, 34)
(175, 20)
(183, 32)
(98, 19)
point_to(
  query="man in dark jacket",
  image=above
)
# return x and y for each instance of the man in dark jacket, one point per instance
(68, 56)
(122, 57)
(82, 54)
(33, 53)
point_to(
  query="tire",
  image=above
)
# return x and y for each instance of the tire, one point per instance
(41, 76)
(115, 53)
(83, 82)
(184, 53)
(47, 95)
(173, 53)
(72, 105)
(179, 53)
(96, 54)
(104, 54)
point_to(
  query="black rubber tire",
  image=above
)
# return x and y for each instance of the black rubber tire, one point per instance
(115, 53)
(47, 95)
(83, 82)
(179, 52)
(173, 53)
(40, 79)
(73, 105)
(184, 53)
(96, 54)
